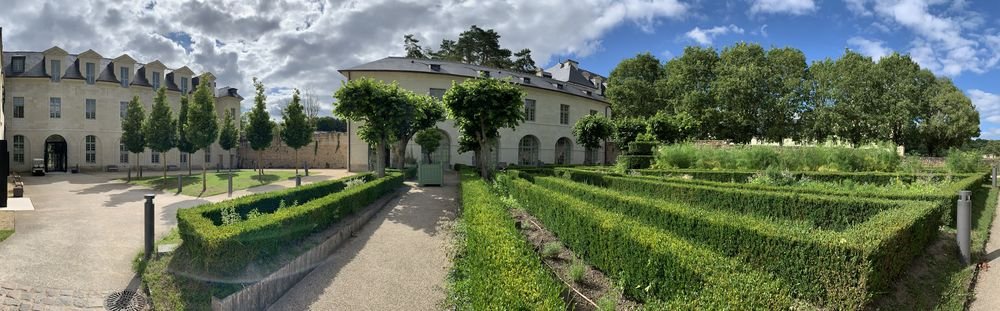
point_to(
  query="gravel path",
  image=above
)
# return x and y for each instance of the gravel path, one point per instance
(988, 284)
(398, 261)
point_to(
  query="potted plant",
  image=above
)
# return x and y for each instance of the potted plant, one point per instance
(428, 172)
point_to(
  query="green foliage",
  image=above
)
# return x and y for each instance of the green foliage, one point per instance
(297, 130)
(965, 161)
(592, 130)
(330, 124)
(672, 128)
(202, 116)
(228, 137)
(382, 111)
(427, 112)
(880, 159)
(183, 144)
(577, 270)
(494, 266)
(627, 130)
(475, 46)
(429, 141)
(551, 249)
(132, 135)
(631, 86)
(480, 108)
(260, 130)
(228, 249)
(160, 128)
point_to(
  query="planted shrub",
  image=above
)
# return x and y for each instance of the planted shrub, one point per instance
(843, 159)
(576, 270)
(551, 249)
(965, 161)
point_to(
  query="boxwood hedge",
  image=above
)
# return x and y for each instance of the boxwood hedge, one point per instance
(494, 266)
(741, 176)
(227, 249)
(654, 265)
(833, 269)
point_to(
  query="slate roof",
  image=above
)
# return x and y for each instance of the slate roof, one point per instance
(404, 64)
(569, 71)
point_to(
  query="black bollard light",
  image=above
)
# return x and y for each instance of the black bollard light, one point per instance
(298, 180)
(230, 184)
(149, 226)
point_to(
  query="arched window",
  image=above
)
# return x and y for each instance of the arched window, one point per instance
(90, 142)
(527, 151)
(18, 148)
(564, 151)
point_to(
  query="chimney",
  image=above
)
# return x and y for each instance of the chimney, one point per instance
(572, 63)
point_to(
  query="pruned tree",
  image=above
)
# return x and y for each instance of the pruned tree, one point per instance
(132, 135)
(627, 130)
(480, 108)
(228, 136)
(297, 130)
(203, 118)
(381, 110)
(160, 129)
(260, 128)
(429, 140)
(592, 130)
(183, 145)
(427, 111)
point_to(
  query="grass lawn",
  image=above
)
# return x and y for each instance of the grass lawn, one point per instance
(217, 182)
(4, 234)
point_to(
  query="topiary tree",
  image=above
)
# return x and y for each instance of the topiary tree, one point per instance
(592, 130)
(480, 107)
(260, 128)
(298, 130)
(382, 110)
(627, 130)
(427, 111)
(160, 129)
(183, 145)
(132, 135)
(203, 118)
(228, 136)
(429, 141)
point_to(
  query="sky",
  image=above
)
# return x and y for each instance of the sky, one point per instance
(302, 43)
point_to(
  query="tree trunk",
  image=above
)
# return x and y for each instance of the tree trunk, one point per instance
(296, 162)
(164, 167)
(189, 163)
(230, 161)
(380, 155)
(204, 175)
(400, 162)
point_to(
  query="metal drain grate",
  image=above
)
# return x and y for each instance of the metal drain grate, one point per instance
(126, 300)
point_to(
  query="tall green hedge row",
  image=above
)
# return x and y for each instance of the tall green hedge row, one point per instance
(824, 267)
(655, 266)
(825, 212)
(741, 176)
(494, 267)
(228, 248)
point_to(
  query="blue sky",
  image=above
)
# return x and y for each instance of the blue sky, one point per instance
(825, 31)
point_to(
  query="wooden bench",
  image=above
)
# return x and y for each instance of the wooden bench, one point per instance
(18, 185)
(111, 168)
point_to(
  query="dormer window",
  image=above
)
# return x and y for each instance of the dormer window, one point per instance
(484, 73)
(91, 69)
(156, 80)
(559, 86)
(184, 85)
(587, 92)
(526, 80)
(435, 67)
(17, 64)
(56, 67)
(124, 76)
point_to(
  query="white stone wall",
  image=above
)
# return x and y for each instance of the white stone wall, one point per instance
(546, 126)
(36, 125)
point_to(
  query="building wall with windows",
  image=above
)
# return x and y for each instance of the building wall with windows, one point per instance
(546, 136)
(79, 99)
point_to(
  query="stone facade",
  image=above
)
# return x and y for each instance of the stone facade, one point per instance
(77, 99)
(328, 150)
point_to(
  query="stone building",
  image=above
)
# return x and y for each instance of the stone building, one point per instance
(67, 109)
(555, 99)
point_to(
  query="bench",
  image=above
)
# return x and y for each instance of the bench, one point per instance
(111, 168)
(18, 185)
(172, 167)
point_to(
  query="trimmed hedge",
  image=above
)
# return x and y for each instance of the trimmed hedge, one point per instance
(495, 267)
(653, 265)
(741, 176)
(825, 212)
(821, 266)
(228, 249)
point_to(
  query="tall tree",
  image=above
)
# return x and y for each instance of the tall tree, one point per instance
(480, 108)
(592, 130)
(260, 128)
(903, 97)
(626, 130)
(412, 47)
(297, 130)
(427, 111)
(523, 61)
(952, 119)
(631, 86)
(183, 145)
(380, 109)
(330, 124)
(475, 46)
(858, 88)
(228, 137)
(819, 121)
(310, 106)
(788, 74)
(686, 87)
(160, 129)
(132, 135)
(741, 89)
(202, 117)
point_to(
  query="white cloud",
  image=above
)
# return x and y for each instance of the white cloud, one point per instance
(988, 104)
(875, 49)
(793, 7)
(302, 43)
(858, 7)
(705, 36)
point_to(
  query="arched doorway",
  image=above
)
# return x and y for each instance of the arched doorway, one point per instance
(55, 154)
(527, 150)
(443, 152)
(564, 151)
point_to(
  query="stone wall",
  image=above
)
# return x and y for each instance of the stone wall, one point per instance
(328, 150)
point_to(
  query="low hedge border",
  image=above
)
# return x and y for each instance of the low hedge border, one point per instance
(653, 265)
(494, 266)
(824, 267)
(228, 249)
(824, 212)
(742, 176)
